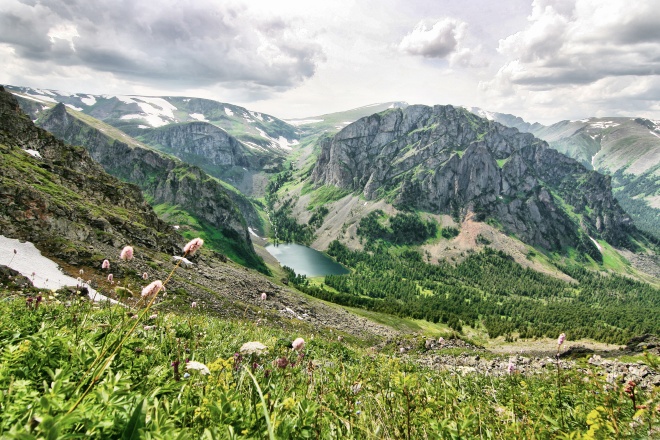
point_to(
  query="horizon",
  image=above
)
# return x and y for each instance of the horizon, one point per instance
(541, 60)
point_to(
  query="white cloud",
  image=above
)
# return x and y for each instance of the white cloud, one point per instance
(444, 39)
(605, 53)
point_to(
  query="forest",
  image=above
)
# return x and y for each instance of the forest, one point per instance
(489, 290)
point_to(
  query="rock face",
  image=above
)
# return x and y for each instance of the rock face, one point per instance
(447, 160)
(54, 194)
(161, 178)
(199, 139)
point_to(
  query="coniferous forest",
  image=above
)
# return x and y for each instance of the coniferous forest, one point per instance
(491, 291)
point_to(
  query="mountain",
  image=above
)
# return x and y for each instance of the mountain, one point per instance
(180, 192)
(49, 198)
(508, 120)
(446, 160)
(628, 149)
(188, 128)
(333, 122)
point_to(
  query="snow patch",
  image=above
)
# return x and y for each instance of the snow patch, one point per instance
(125, 99)
(600, 249)
(297, 122)
(152, 120)
(654, 134)
(254, 146)
(41, 98)
(199, 117)
(257, 115)
(603, 124)
(33, 153)
(47, 274)
(253, 233)
(78, 109)
(90, 100)
(229, 112)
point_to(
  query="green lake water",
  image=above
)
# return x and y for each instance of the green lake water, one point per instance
(304, 260)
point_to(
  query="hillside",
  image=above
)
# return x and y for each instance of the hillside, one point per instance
(168, 184)
(445, 160)
(628, 149)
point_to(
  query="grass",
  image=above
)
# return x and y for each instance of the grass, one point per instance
(328, 389)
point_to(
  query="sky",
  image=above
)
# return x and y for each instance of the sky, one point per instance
(543, 60)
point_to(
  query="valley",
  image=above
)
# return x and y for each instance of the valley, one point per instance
(466, 248)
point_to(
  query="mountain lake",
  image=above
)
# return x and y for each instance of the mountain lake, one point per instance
(304, 260)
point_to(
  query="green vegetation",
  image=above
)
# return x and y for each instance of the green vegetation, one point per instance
(489, 290)
(403, 228)
(183, 376)
(326, 194)
(223, 240)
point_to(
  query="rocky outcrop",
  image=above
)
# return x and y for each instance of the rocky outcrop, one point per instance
(55, 195)
(200, 139)
(447, 160)
(161, 178)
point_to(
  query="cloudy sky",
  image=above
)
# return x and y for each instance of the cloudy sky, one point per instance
(544, 60)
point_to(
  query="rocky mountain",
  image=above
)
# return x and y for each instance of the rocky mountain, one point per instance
(188, 128)
(628, 149)
(508, 120)
(447, 160)
(180, 191)
(48, 197)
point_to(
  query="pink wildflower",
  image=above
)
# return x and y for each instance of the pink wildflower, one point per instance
(194, 304)
(281, 362)
(298, 344)
(561, 339)
(110, 277)
(154, 316)
(145, 276)
(264, 296)
(149, 327)
(153, 288)
(81, 271)
(126, 253)
(193, 246)
(511, 367)
(105, 264)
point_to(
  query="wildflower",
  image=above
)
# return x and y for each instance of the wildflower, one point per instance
(149, 327)
(630, 388)
(81, 271)
(561, 339)
(193, 246)
(511, 367)
(152, 289)
(298, 344)
(126, 253)
(264, 296)
(253, 347)
(186, 375)
(402, 350)
(356, 387)
(340, 338)
(105, 264)
(198, 366)
(134, 316)
(110, 277)
(154, 316)
(281, 362)
(193, 304)
(145, 276)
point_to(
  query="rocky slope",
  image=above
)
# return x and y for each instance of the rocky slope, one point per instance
(626, 148)
(48, 197)
(444, 159)
(164, 180)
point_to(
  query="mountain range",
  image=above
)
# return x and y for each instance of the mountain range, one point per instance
(447, 164)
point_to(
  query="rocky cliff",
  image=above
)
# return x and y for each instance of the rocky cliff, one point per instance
(57, 196)
(162, 179)
(444, 159)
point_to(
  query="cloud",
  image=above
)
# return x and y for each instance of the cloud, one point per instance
(583, 56)
(170, 42)
(444, 39)
(581, 42)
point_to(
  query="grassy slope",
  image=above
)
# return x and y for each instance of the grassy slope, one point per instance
(334, 389)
